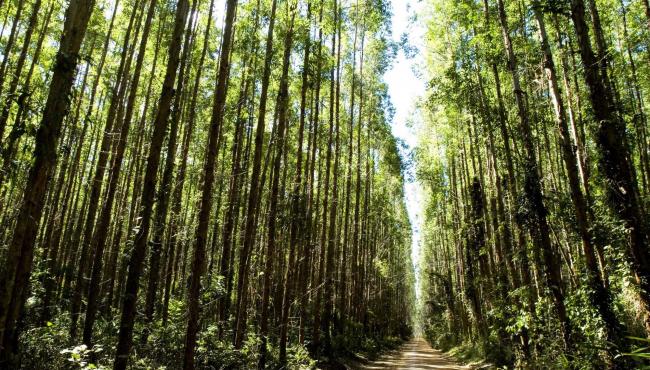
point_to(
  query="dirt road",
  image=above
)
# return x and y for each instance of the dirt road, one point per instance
(414, 355)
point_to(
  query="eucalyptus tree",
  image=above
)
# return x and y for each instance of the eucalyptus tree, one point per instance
(18, 265)
(242, 211)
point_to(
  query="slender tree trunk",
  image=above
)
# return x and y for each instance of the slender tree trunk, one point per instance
(101, 229)
(599, 295)
(614, 159)
(14, 276)
(333, 240)
(13, 85)
(475, 243)
(533, 190)
(101, 165)
(175, 217)
(321, 276)
(282, 107)
(348, 182)
(216, 124)
(162, 208)
(296, 241)
(250, 231)
(8, 48)
(148, 187)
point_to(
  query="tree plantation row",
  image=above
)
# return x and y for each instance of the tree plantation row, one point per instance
(534, 159)
(198, 184)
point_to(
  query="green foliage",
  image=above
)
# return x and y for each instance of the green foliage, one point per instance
(465, 121)
(44, 345)
(467, 352)
(80, 356)
(218, 354)
(299, 358)
(640, 351)
(164, 346)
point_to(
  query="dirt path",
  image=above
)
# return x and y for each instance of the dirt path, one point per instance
(414, 355)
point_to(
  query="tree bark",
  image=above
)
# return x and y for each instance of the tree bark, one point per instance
(250, 231)
(216, 124)
(533, 190)
(614, 159)
(14, 276)
(282, 107)
(101, 229)
(125, 337)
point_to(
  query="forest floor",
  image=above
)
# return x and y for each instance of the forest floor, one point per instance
(415, 354)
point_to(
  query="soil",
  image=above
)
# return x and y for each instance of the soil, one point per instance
(415, 354)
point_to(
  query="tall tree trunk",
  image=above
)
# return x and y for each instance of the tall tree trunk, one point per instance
(321, 273)
(599, 295)
(14, 276)
(98, 179)
(348, 180)
(53, 265)
(533, 190)
(333, 239)
(475, 242)
(149, 188)
(614, 159)
(312, 210)
(282, 108)
(206, 193)
(296, 240)
(175, 217)
(8, 49)
(250, 231)
(13, 84)
(101, 229)
(160, 218)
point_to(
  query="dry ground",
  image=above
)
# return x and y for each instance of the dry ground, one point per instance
(413, 355)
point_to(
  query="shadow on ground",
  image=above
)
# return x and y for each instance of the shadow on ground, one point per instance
(413, 355)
